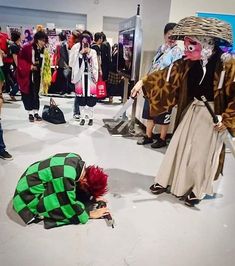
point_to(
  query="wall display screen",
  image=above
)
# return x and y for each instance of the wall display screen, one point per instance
(125, 51)
(225, 17)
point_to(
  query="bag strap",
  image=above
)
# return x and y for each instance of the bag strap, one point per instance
(52, 102)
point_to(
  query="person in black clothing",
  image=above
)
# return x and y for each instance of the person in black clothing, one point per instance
(115, 83)
(62, 62)
(14, 51)
(3, 153)
(96, 45)
(105, 57)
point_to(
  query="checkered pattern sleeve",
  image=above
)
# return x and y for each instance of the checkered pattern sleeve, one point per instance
(47, 189)
(61, 207)
(80, 214)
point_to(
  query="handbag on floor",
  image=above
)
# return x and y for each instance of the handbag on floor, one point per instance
(52, 113)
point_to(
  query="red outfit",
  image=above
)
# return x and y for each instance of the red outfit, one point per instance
(24, 68)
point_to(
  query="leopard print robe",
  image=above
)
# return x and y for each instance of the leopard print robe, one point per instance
(167, 88)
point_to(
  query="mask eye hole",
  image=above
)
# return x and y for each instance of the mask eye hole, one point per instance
(191, 48)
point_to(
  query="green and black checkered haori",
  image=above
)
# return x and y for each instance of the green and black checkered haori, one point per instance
(47, 189)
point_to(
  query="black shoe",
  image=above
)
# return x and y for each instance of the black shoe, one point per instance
(82, 123)
(6, 156)
(157, 189)
(37, 117)
(145, 140)
(191, 200)
(31, 118)
(158, 144)
(90, 122)
(156, 136)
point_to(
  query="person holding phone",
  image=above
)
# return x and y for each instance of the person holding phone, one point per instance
(85, 77)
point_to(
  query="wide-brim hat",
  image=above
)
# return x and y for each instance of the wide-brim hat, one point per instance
(210, 27)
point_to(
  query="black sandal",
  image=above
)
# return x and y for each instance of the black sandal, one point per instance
(157, 189)
(191, 200)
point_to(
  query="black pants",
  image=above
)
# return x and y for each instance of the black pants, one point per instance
(61, 82)
(9, 77)
(31, 100)
(86, 100)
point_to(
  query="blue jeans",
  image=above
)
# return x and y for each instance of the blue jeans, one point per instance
(2, 144)
(76, 110)
(14, 90)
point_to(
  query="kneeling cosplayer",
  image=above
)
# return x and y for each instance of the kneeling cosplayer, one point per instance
(60, 190)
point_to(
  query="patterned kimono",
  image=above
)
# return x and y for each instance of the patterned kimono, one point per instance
(47, 190)
(195, 155)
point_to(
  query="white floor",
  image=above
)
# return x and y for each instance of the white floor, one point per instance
(149, 230)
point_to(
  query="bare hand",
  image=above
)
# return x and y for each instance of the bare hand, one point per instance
(136, 89)
(98, 213)
(85, 50)
(220, 127)
(33, 67)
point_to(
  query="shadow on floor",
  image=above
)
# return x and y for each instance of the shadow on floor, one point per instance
(124, 182)
(12, 215)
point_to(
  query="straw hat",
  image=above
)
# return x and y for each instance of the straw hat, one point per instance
(197, 26)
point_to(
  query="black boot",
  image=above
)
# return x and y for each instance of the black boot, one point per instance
(31, 118)
(37, 117)
(145, 140)
(158, 144)
(82, 123)
(90, 122)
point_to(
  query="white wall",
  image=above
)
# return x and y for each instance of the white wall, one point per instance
(191, 7)
(31, 17)
(155, 13)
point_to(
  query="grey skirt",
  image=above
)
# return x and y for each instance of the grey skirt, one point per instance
(192, 157)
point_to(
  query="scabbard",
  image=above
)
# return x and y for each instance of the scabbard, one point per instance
(123, 109)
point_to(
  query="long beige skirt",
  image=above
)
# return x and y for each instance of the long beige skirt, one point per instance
(192, 158)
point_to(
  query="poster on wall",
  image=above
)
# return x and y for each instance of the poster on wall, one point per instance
(27, 34)
(225, 17)
(53, 40)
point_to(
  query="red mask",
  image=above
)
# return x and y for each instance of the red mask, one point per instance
(192, 49)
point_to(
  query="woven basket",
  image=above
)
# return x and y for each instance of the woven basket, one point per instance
(197, 26)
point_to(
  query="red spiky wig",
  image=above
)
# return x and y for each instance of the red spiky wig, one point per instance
(96, 180)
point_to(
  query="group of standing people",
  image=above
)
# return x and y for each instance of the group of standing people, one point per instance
(195, 156)
(196, 153)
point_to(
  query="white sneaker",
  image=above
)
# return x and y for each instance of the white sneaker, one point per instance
(76, 117)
